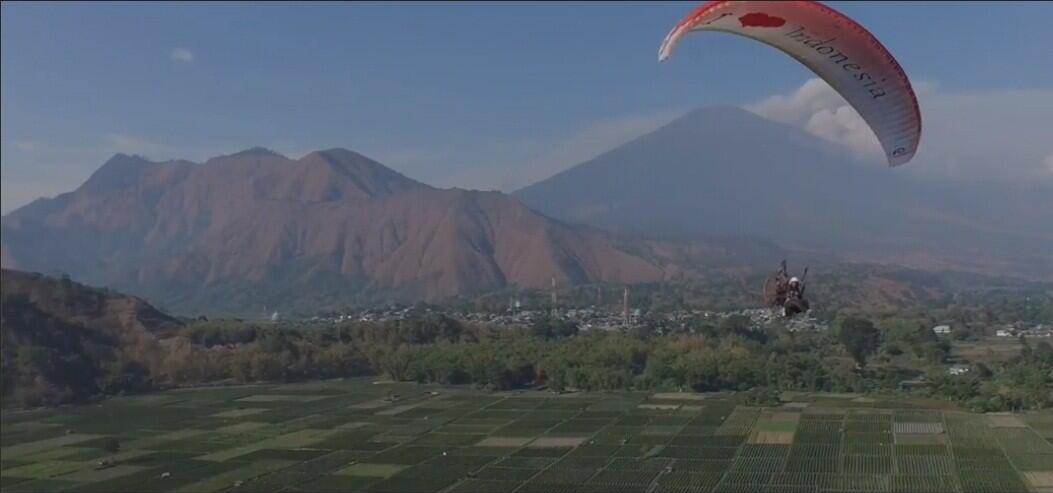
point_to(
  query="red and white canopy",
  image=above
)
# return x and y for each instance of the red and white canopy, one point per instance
(836, 48)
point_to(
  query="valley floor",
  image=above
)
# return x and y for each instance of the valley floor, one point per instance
(353, 434)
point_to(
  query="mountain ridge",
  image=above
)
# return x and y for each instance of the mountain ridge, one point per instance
(255, 228)
(64, 341)
(726, 171)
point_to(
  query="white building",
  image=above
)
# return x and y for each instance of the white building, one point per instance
(942, 329)
(958, 370)
(1003, 333)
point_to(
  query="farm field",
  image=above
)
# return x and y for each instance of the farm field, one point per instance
(354, 435)
(989, 349)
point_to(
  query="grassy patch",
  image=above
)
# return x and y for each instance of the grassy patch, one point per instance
(371, 470)
(45, 469)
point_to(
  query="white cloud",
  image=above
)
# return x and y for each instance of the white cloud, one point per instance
(993, 135)
(811, 98)
(182, 55)
(996, 136)
(819, 109)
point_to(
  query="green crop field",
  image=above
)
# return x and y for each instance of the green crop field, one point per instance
(354, 435)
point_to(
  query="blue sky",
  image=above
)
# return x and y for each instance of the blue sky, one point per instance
(470, 94)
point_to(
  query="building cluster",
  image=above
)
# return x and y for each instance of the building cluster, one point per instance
(585, 318)
(1023, 330)
(764, 318)
(660, 322)
(590, 318)
(942, 330)
(1018, 329)
(382, 314)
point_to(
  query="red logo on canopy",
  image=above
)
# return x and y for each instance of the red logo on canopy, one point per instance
(760, 19)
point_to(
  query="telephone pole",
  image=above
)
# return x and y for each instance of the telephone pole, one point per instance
(625, 306)
(554, 300)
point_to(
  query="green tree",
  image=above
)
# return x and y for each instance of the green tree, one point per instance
(762, 396)
(553, 328)
(859, 337)
(111, 445)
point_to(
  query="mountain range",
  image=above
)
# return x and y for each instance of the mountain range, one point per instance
(718, 188)
(257, 230)
(725, 171)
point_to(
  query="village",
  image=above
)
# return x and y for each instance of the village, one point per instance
(680, 320)
(592, 318)
(1013, 330)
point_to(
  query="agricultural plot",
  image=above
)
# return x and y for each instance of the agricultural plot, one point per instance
(353, 435)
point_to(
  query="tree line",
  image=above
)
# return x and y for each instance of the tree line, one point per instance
(858, 355)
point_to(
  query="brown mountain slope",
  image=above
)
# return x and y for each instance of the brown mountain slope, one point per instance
(255, 229)
(739, 174)
(63, 341)
(114, 314)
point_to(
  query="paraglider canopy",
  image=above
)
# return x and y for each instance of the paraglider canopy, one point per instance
(836, 48)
